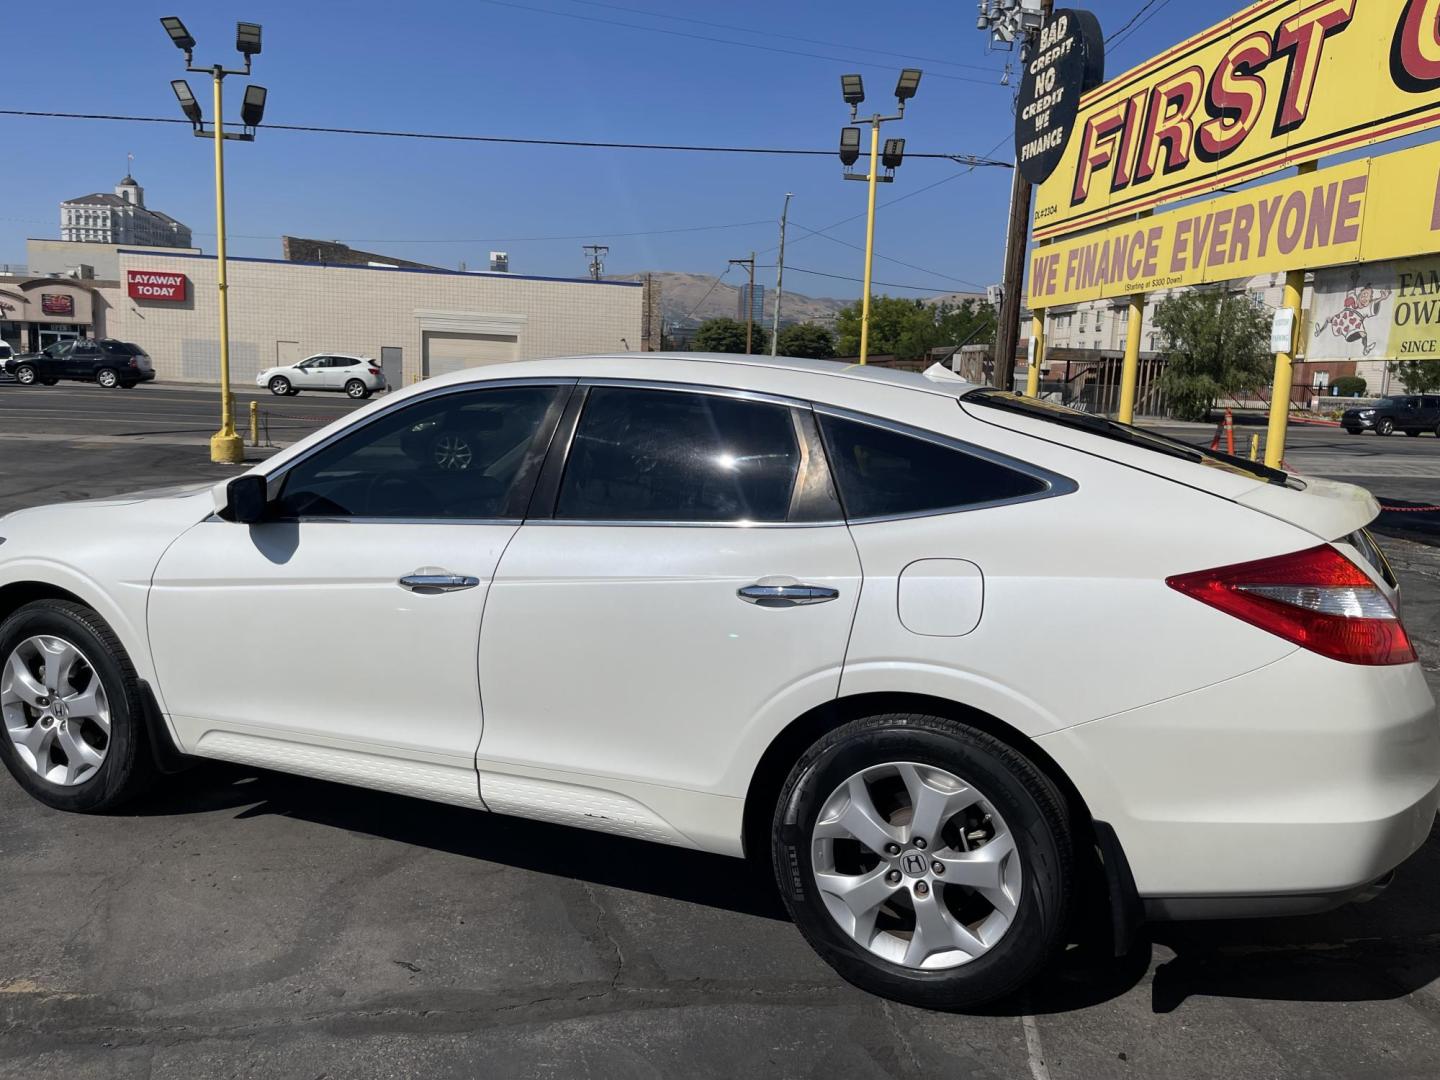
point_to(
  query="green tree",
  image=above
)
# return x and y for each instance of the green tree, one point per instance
(1419, 376)
(1216, 344)
(808, 340)
(909, 329)
(728, 335)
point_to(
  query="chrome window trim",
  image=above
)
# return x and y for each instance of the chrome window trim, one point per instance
(1056, 485)
(699, 388)
(338, 520)
(429, 395)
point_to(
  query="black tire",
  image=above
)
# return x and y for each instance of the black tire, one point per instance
(280, 386)
(1384, 426)
(357, 390)
(1023, 797)
(1353, 431)
(109, 378)
(127, 769)
(26, 375)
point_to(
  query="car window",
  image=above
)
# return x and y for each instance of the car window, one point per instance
(886, 473)
(662, 455)
(459, 456)
(1432, 403)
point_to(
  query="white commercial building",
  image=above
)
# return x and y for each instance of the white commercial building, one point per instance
(416, 322)
(121, 218)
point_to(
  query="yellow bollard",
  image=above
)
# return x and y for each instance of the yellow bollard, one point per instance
(1254, 447)
(254, 423)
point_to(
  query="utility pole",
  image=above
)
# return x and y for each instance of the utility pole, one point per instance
(597, 253)
(780, 277)
(1007, 330)
(749, 265)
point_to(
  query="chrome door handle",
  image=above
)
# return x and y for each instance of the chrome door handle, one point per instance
(787, 595)
(430, 583)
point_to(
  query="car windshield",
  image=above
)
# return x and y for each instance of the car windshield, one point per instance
(1124, 433)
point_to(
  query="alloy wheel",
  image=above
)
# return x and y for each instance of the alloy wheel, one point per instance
(107, 378)
(452, 452)
(25, 376)
(55, 710)
(916, 866)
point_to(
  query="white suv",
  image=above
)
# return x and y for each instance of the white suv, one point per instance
(943, 657)
(355, 376)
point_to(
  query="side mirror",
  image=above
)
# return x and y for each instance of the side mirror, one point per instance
(246, 499)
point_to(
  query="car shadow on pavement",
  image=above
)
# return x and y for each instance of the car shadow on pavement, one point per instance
(1379, 951)
(599, 858)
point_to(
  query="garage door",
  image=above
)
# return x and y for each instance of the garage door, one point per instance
(452, 352)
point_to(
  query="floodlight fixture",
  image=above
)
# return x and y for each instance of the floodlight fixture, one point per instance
(893, 154)
(849, 145)
(178, 34)
(188, 105)
(252, 108)
(908, 84)
(247, 39)
(853, 89)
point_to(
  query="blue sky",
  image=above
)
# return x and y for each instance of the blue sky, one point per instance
(519, 68)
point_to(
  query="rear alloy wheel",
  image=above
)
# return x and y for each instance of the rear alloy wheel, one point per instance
(25, 375)
(357, 389)
(1385, 426)
(108, 378)
(280, 386)
(70, 708)
(924, 860)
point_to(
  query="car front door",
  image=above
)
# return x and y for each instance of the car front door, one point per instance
(309, 374)
(55, 360)
(350, 618)
(683, 589)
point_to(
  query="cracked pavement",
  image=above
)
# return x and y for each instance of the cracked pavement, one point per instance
(240, 923)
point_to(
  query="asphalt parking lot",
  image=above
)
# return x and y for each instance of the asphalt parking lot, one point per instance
(247, 924)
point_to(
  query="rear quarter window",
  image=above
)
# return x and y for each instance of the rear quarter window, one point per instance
(882, 472)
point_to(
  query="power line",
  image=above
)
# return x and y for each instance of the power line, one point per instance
(886, 258)
(508, 139)
(886, 284)
(721, 41)
(1131, 28)
(718, 278)
(787, 37)
(510, 239)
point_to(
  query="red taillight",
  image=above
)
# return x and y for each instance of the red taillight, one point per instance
(1318, 599)
(374, 371)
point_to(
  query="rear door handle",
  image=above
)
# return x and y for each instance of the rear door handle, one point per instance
(787, 595)
(433, 582)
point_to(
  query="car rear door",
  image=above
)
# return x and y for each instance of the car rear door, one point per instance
(683, 588)
(1432, 412)
(349, 620)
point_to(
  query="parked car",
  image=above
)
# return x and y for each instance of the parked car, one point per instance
(6, 354)
(1410, 413)
(807, 613)
(105, 361)
(355, 376)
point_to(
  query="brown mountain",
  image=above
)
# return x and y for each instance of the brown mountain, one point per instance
(689, 299)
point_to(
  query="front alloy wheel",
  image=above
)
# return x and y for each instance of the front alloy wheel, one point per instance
(924, 859)
(25, 375)
(280, 386)
(55, 709)
(1385, 426)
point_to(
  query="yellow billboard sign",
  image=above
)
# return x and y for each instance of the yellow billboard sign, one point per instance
(1280, 83)
(1378, 311)
(1362, 211)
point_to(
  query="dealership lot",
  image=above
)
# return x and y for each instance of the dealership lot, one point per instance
(254, 924)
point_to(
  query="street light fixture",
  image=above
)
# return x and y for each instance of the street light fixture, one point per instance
(247, 39)
(178, 34)
(226, 446)
(188, 105)
(854, 92)
(252, 108)
(908, 84)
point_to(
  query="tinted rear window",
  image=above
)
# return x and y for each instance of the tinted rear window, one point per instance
(886, 473)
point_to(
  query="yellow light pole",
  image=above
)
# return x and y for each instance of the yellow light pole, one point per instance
(853, 89)
(1285, 365)
(226, 445)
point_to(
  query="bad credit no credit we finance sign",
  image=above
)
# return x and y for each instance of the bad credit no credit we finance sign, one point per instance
(1281, 83)
(1374, 209)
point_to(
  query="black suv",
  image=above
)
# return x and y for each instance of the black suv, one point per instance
(1410, 413)
(108, 362)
